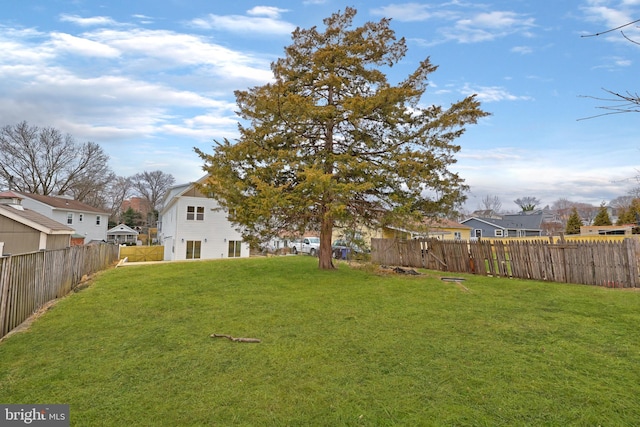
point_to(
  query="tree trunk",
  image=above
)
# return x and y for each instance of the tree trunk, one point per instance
(325, 258)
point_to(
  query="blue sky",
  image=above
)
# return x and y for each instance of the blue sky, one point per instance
(149, 80)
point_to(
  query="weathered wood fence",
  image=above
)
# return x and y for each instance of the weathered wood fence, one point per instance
(29, 281)
(611, 264)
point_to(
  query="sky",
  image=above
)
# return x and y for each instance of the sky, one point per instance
(151, 80)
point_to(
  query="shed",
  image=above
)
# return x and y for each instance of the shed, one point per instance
(24, 230)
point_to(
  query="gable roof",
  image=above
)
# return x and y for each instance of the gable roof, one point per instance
(34, 220)
(122, 229)
(62, 203)
(511, 222)
(176, 191)
(429, 224)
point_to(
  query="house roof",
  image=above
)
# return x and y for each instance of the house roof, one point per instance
(429, 224)
(34, 220)
(10, 195)
(510, 222)
(122, 229)
(62, 203)
(443, 223)
(178, 190)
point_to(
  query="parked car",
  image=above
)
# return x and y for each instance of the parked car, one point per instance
(342, 249)
(307, 245)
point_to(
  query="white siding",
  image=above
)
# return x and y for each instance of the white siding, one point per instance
(86, 228)
(214, 232)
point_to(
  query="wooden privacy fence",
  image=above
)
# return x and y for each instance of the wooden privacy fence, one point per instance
(29, 281)
(142, 253)
(611, 264)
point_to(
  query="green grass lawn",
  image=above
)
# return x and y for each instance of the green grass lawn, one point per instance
(346, 347)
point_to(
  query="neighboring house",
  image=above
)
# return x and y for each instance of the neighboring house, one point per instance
(192, 226)
(443, 229)
(24, 230)
(87, 221)
(517, 225)
(122, 234)
(606, 230)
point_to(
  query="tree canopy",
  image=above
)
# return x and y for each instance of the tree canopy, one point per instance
(330, 142)
(152, 186)
(602, 218)
(46, 161)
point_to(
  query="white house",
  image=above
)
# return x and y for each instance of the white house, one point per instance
(122, 233)
(88, 222)
(193, 226)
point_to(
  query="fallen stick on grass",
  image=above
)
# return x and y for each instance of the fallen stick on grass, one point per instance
(229, 337)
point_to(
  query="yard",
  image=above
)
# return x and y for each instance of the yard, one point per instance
(354, 346)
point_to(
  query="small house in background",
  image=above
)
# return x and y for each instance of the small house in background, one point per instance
(193, 226)
(87, 221)
(517, 225)
(441, 228)
(23, 230)
(606, 230)
(122, 234)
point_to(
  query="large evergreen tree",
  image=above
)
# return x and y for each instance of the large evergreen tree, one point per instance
(602, 218)
(332, 142)
(573, 223)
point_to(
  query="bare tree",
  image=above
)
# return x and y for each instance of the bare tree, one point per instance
(587, 212)
(492, 203)
(151, 186)
(44, 161)
(527, 203)
(619, 102)
(622, 202)
(117, 192)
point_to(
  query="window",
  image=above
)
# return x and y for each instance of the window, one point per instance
(234, 248)
(193, 249)
(477, 232)
(98, 219)
(498, 233)
(80, 217)
(457, 235)
(69, 218)
(195, 212)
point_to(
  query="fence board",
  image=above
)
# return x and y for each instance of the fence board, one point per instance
(608, 263)
(29, 281)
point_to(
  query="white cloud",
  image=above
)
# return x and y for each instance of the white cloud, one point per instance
(409, 12)
(82, 46)
(246, 25)
(270, 11)
(88, 22)
(609, 15)
(460, 21)
(492, 94)
(173, 50)
(522, 50)
(488, 26)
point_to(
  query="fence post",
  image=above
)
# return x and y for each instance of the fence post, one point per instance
(5, 281)
(632, 249)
